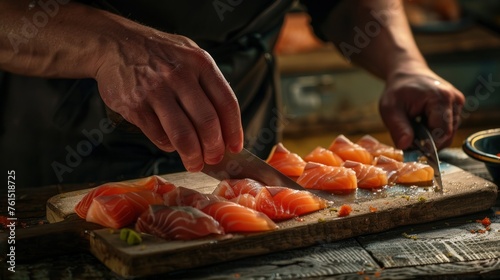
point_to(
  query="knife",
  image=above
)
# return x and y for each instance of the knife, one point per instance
(247, 165)
(425, 144)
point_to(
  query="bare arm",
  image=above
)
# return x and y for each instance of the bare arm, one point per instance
(163, 83)
(375, 35)
(37, 43)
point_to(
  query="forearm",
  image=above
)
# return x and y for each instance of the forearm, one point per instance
(63, 40)
(375, 35)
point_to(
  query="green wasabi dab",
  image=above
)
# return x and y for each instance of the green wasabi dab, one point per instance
(130, 236)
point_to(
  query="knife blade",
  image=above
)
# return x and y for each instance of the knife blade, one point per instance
(247, 165)
(425, 144)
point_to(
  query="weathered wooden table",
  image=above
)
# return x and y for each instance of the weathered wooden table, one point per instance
(451, 248)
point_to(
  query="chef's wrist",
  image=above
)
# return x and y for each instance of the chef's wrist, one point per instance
(108, 42)
(120, 40)
(407, 67)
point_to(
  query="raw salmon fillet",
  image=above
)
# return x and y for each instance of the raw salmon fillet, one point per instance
(231, 216)
(152, 183)
(406, 172)
(231, 188)
(290, 164)
(335, 179)
(246, 200)
(182, 196)
(368, 176)
(241, 191)
(278, 203)
(348, 150)
(237, 218)
(177, 223)
(288, 203)
(119, 210)
(324, 156)
(372, 145)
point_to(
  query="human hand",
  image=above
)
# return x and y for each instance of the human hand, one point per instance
(424, 94)
(173, 91)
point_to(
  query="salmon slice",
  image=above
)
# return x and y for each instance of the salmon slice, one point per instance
(231, 216)
(182, 196)
(231, 188)
(288, 203)
(278, 203)
(237, 218)
(188, 197)
(242, 191)
(290, 164)
(348, 150)
(177, 223)
(372, 145)
(414, 173)
(335, 179)
(152, 183)
(368, 176)
(119, 210)
(324, 156)
(246, 200)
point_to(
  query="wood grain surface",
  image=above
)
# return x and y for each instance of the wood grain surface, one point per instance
(397, 206)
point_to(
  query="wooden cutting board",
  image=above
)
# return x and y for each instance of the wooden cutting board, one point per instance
(372, 212)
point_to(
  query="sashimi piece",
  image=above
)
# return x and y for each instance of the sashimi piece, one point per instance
(406, 172)
(328, 178)
(177, 223)
(324, 156)
(348, 150)
(202, 200)
(83, 205)
(224, 188)
(156, 184)
(368, 176)
(376, 148)
(243, 191)
(246, 200)
(231, 188)
(278, 203)
(288, 203)
(290, 164)
(183, 196)
(237, 218)
(230, 215)
(119, 210)
(152, 183)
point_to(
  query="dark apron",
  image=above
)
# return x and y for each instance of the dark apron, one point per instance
(57, 131)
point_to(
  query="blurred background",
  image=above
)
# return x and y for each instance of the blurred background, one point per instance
(323, 95)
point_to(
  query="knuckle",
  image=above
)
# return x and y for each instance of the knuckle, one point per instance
(211, 137)
(231, 102)
(228, 110)
(447, 96)
(213, 148)
(181, 137)
(209, 122)
(385, 104)
(201, 54)
(133, 111)
(202, 59)
(164, 141)
(186, 41)
(168, 147)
